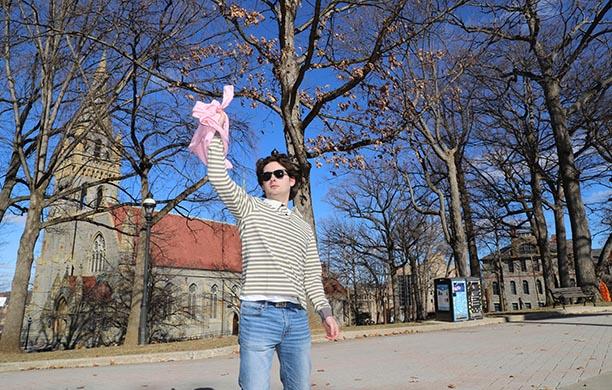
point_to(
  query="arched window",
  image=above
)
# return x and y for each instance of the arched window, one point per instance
(60, 318)
(525, 287)
(539, 286)
(513, 287)
(98, 256)
(213, 301)
(495, 288)
(192, 303)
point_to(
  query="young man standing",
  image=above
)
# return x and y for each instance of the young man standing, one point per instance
(280, 270)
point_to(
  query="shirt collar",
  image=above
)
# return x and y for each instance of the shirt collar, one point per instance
(275, 204)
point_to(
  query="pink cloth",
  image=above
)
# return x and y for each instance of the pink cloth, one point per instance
(212, 120)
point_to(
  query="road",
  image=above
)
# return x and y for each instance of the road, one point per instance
(543, 354)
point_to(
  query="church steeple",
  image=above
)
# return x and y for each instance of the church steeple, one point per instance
(91, 149)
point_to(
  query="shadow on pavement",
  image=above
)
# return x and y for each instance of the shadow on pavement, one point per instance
(558, 323)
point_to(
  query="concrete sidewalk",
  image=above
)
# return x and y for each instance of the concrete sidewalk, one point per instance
(540, 354)
(429, 326)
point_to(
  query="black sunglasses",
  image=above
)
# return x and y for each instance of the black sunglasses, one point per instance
(279, 174)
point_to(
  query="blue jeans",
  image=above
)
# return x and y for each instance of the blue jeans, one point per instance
(264, 329)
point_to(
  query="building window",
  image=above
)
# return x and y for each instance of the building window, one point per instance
(525, 287)
(235, 294)
(527, 305)
(83, 196)
(497, 307)
(192, 303)
(97, 148)
(98, 254)
(539, 286)
(511, 266)
(213, 301)
(536, 265)
(495, 288)
(513, 287)
(527, 249)
(167, 299)
(99, 195)
(515, 306)
(523, 265)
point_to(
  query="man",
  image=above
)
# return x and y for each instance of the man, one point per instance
(280, 270)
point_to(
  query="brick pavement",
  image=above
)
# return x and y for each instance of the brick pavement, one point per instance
(539, 354)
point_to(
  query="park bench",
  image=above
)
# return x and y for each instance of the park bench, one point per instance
(560, 295)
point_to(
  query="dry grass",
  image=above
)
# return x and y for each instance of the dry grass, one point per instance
(191, 345)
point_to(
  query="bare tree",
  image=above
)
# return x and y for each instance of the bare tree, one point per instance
(436, 107)
(340, 41)
(57, 74)
(550, 47)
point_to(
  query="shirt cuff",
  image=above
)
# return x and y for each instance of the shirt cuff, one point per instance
(325, 312)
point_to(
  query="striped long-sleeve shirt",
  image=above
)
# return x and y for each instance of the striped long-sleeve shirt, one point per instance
(279, 251)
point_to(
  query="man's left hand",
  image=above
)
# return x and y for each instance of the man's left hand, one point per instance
(331, 328)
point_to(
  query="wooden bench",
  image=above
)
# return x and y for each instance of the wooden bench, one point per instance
(561, 294)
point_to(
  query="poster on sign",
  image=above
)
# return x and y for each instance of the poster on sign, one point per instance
(442, 292)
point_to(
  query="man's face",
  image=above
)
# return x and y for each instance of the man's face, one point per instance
(277, 188)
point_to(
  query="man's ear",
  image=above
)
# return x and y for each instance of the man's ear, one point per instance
(291, 181)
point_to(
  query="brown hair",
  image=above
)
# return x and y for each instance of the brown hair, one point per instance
(292, 168)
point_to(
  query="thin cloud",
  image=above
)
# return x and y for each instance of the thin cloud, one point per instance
(15, 219)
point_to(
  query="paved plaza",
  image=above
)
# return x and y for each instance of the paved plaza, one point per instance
(538, 354)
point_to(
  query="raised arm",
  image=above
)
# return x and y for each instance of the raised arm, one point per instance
(233, 196)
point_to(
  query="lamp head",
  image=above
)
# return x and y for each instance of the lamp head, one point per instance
(149, 205)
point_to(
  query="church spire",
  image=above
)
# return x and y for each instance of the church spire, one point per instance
(92, 148)
(101, 74)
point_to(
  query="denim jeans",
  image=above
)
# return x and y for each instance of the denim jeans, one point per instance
(264, 329)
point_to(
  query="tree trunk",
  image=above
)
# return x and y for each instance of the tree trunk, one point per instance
(132, 331)
(416, 289)
(604, 256)
(467, 217)
(500, 276)
(459, 244)
(133, 325)
(541, 233)
(11, 334)
(9, 184)
(562, 258)
(570, 176)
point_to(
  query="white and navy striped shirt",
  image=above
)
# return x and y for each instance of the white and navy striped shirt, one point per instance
(279, 250)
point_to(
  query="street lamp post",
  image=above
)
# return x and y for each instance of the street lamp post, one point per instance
(149, 205)
(27, 338)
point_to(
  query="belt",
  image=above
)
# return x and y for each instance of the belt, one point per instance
(281, 305)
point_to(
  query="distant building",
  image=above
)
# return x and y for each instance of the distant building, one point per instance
(521, 273)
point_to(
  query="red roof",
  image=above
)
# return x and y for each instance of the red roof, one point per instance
(180, 242)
